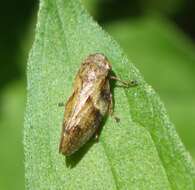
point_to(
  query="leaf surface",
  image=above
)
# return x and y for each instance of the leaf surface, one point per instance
(143, 151)
(165, 51)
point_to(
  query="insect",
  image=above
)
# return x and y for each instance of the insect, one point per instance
(90, 101)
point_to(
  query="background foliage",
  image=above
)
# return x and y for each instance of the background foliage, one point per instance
(160, 49)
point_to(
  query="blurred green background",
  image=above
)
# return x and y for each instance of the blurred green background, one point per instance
(158, 36)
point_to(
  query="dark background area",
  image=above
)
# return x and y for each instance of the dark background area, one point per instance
(159, 48)
(16, 18)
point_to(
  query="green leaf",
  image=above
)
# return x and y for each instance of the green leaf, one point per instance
(166, 49)
(143, 151)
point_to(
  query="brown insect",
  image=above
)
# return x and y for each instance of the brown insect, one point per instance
(90, 101)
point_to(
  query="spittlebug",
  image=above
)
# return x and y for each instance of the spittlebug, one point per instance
(90, 101)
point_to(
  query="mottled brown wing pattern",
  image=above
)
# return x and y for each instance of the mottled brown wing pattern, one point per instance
(70, 105)
(86, 124)
(91, 100)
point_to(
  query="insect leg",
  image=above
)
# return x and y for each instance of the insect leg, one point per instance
(97, 124)
(126, 84)
(111, 109)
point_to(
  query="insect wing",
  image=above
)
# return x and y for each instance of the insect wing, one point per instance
(85, 125)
